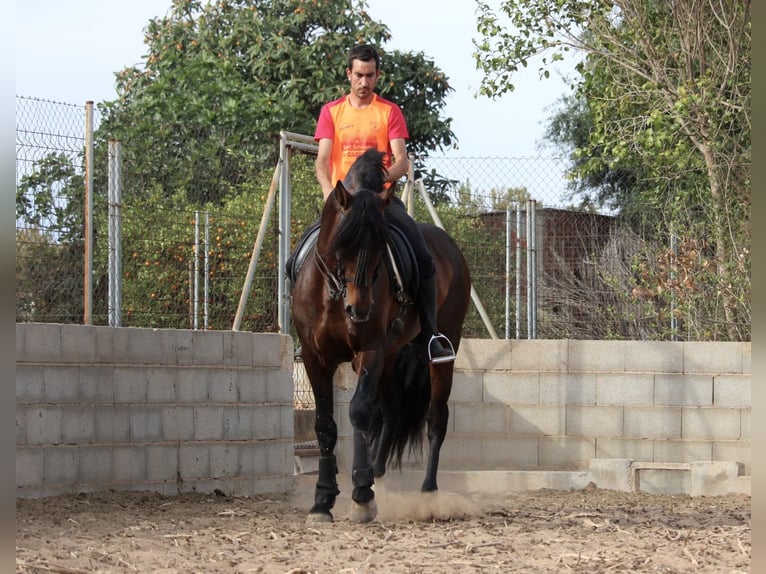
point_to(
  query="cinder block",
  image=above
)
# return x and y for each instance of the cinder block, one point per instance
(734, 451)
(29, 466)
(279, 386)
(682, 450)
(193, 385)
(161, 462)
(568, 388)
(596, 356)
(96, 465)
(252, 386)
(223, 460)
(44, 425)
(251, 459)
(78, 425)
(38, 343)
(129, 464)
(713, 357)
(178, 423)
(138, 346)
(634, 449)
(461, 452)
(467, 386)
(61, 465)
(103, 345)
(287, 422)
(130, 385)
(30, 384)
(714, 478)
(475, 419)
(183, 346)
(267, 422)
(484, 354)
(78, 344)
(267, 350)
(194, 460)
(21, 425)
(511, 388)
(112, 424)
(624, 389)
(745, 433)
(245, 424)
(537, 420)
(279, 457)
(539, 355)
(207, 347)
(663, 480)
(96, 385)
(683, 390)
(732, 391)
(648, 422)
(711, 424)
(566, 453)
(238, 348)
(145, 424)
(208, 423)
(223, 386)
(602, 421)
(654, 357)
(612, 474)
(62, 384)
(162, 384)
(508, 453)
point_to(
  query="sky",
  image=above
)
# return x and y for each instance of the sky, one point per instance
(68, 51)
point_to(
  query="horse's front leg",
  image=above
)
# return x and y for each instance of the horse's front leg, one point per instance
(438, 417)
(326, 490)
(361, 411)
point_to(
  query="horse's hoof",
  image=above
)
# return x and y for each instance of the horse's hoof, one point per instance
(318, 517)
(364, 512)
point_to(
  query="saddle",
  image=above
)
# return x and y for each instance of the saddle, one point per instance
(401, 262)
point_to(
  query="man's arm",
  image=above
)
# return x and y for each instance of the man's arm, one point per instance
(323, 168)
(401, 163)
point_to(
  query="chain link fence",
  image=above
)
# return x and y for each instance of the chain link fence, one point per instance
(540, 269)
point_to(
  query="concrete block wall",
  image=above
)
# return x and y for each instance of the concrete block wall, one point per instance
(560, 404)
(152, 409)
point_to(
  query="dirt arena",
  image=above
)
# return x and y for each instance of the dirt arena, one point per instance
(588, 530)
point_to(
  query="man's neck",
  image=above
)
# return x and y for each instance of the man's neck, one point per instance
(358, 102)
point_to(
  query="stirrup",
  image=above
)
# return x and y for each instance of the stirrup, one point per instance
(446, 358)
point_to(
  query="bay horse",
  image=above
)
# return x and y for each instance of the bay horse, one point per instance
(346, 307)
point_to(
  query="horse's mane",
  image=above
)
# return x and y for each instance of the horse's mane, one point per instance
(367, 172)
(363, 226)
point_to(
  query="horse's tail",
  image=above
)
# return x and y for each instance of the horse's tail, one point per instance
(403, 406)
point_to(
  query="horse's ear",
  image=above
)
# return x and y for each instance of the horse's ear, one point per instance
(341, 194)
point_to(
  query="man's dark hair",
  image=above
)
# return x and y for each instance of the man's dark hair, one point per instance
(365, 53)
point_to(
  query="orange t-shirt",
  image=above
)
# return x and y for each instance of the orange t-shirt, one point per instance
(353, 131)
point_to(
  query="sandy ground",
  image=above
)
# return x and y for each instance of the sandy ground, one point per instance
(589, 530)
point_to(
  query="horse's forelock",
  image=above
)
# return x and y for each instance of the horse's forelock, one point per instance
(362, 226)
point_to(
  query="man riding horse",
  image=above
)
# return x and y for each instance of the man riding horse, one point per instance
(346, 128)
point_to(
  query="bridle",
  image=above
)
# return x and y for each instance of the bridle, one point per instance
(337, 281)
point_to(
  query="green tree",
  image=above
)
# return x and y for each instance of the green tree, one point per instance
(666, 87)
(223, 79)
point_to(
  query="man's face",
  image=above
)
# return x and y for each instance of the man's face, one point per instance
(363, 76)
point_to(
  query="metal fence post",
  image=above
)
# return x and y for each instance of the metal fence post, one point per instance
(114, 206)
(88, 263)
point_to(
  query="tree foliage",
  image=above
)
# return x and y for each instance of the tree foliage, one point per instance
(660, 121)
(224, 78)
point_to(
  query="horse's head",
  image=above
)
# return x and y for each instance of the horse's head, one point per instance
(359, 237)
